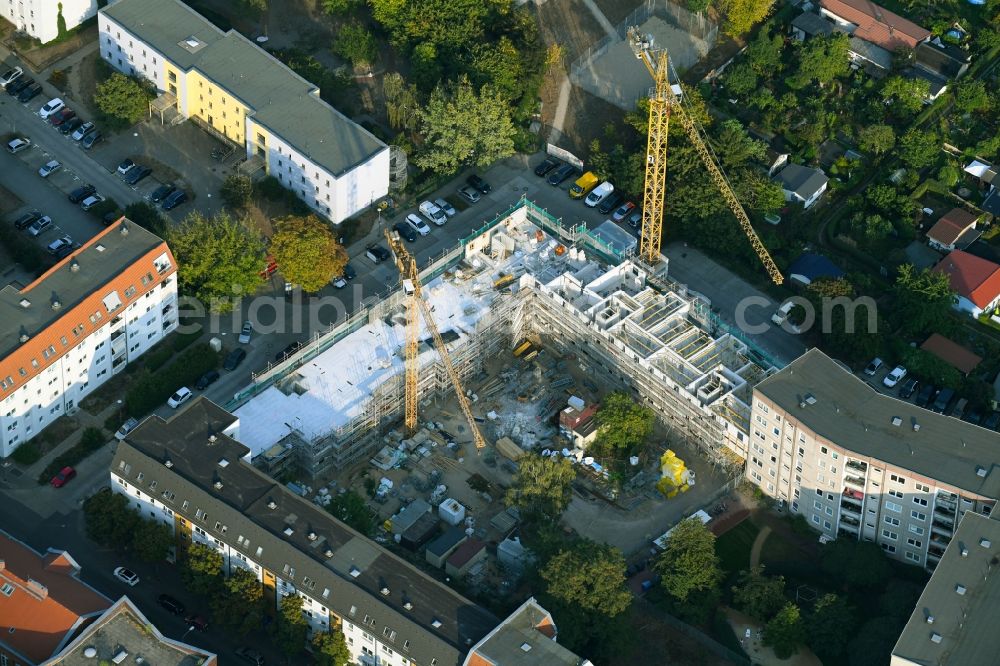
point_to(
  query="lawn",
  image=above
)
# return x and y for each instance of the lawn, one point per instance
(733, 547)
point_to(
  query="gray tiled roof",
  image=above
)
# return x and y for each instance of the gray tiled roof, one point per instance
(252, 505)
(804, 181)
(282, 101)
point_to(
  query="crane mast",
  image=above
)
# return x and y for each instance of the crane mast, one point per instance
(407, 265)
(660, 105)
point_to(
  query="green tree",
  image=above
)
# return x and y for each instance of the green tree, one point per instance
(355, 44)
(741, 15)
(599, 161)
(461, 127)
(291, 627)
(239, 607)
(152, 540)
(855, 564)
(697, 6)
(60, 21)
(906, 95)
(455, 24)
(930, 368)
(236, 191)
(256, 6)
(919, 148)
(877, 139)
(987, 39)
(330, 648)
(757, 595)
(498, 64)
(870, 644)
(872, 227)
(688, 564)
(923, 298)
(628, 169)
(109, 521)
(307, 252)
(623, 425)
(741, 79)
(823, 60)
(734, 146)
(764, 54)
(147, 217)
(591, 577)
(201, 570)
(424, 66)
(757, 192)
(785, 632)
(829, 622)
(351, 508)
(217, 257)
(972, 97)
(542, 487)
(123, 100)
(340, 7)
(948, 176)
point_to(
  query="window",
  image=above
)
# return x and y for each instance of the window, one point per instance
(887, 548)
(7, 589)
(896, 493)
(891, 521)
(897, 479)
(916, 543)
(816, 519)
(823, 450)
(913, 557)
(776, 431)
(916, 530)
(918, 515)
(892, 506)
(818, 506)
(890, 535)
(920, 500)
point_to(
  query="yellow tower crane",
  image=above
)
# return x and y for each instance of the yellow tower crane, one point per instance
(410, 275)
(661, 103)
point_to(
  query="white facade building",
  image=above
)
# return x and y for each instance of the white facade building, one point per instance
(40, 18)
(79, 324)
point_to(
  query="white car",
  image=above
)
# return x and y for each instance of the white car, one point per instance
(177, 399)
(895, 376)
(49, 168)
(40, 225)
(245, 333)
(11, 76)
(599, 194)
(448, 209)
(91, 201)
(60, 243)
(53, 106)
(127, 576)
(432, 213)
(873, 367)
(780, 317)
(417, 224)
(82, 131)
(339, 282)
(17, 145)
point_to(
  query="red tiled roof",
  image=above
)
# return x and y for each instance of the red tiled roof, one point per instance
(877, 24)
(37, 616)
(951, 353)
(976, 279)
(951, 226)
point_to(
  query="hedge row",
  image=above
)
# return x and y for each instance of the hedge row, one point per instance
(91, 440)
(152, 389)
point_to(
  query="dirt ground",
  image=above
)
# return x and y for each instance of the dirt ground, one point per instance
(39, 57)
(666, 642)
(752, 645)
(82, 80)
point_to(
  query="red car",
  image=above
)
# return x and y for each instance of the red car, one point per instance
(63, 477)
(61, 117)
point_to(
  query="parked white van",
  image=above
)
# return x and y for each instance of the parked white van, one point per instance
(433, 213)
(599, 194)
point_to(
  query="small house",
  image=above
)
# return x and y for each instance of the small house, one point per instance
(952, 353)
(802, 184)
(976, 282)
(468, 555)
(439, 550)
(579, 425)
(955, 229)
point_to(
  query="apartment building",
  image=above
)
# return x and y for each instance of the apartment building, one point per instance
(43, 602)
(858, 464)
(189, 473)
(79, 324)
(526, 638)
(954, 621)
(243, 95)
(40, 18)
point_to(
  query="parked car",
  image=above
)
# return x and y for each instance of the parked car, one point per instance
(339, 282)
(171, 604)
(991, 421)
(545, 167)
(63, 477)
(125, 166)
(29, 93)
(433, 213)
(349, 272)
(57, 119)
(40, 225)
(206, 380)
(377, 253)
(174, 200)
(81, 193)
(161, 193)
(249, 655)
(908, 388)
(27, 220)
(873, 367)
(197, 622)
(469, 194)
(19, 84)
(895, 376)
(448, 209)
(111, 217)
(481, 185)
(635, 219)
(17, 145)
(136, 174)
(780, 316)
(943, 400)
(234, 358)
(287, 351)
(599, 194)
(405, 231)
(127, 576)
(63, 252)
(58, 243)
(560, 175)
(88, 141)
(10, 76)
(83, 130)
(973, 416)
(49, 168)
(70, 126)
(623, 211)
(959, 409)
(91, 201)
(610, 203)
(926, 395)
(418, 224)
(245, 332)
(182, 395)
(126, 428)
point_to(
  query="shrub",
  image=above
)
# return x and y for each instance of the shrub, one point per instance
(158, 357)
(27, 454)
(103, 208)
(91, 440)
(29, 255)
(151, 390)
(183, 340)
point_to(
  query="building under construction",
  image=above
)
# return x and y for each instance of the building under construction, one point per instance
(523, 276)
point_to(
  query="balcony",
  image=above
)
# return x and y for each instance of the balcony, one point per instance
(855, 481)
(849, 531)
(853, 520)
(847, 511)
(942, 530)
(117, 334)
(944, 504)
(946, 520)
(117, 320)
(167, 309)
(857, 466)
(853, 496)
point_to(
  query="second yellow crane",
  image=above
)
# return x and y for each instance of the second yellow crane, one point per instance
(662, 101)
